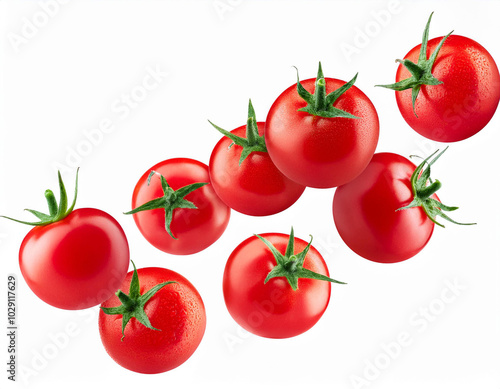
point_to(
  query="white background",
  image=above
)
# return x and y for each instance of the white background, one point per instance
(71, 73)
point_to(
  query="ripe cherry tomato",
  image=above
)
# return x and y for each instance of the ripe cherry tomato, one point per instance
(73, 259)
(369, 215)
(459, 93)
(244, 176)
(324, 136)
(158, 325)
(274, 285)
(77, 262)
(176, 209)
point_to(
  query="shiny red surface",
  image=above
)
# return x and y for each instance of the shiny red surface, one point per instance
(256, 187)
(77, 262)
(365, 215)
(274, 309)
(176, 310)
(316, 151)
(195, 229)
(466, 100)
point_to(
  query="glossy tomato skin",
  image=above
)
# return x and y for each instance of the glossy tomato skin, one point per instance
(365, 215)
(195, 229)
(466, 100)
(321, 152)
(256, 187)
(77, 262)
(274, 309)
(177, 310)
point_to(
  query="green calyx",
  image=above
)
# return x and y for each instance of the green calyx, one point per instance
(57, 212)
(133, 303)
(421, 72)
(321, 104)
(252, 142)
(171, 200)
(290, 265)
(423, 187)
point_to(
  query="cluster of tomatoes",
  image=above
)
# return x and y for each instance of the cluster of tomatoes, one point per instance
(319, 133)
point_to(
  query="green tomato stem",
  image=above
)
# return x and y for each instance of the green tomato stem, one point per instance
(51, 202)
(57, 212)
(423, 187)
(290, 265)
(320, 104)
(133, 304)
(421, 72)
(320, 95)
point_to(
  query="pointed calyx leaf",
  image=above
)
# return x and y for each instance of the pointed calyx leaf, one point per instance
(171, 200)
(133, 303)
(321, 104)
(56, 212)
(252, 142)
(423, 187)
(290, 265)
(421, 72)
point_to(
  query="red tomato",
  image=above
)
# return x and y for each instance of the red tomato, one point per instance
(365, 214)
(73, 259)
(177, 313)
(465, 99)
(77, 262)
(253, 186)
(368, 210)
(273, 309)
(316, 151)
(193, 229)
